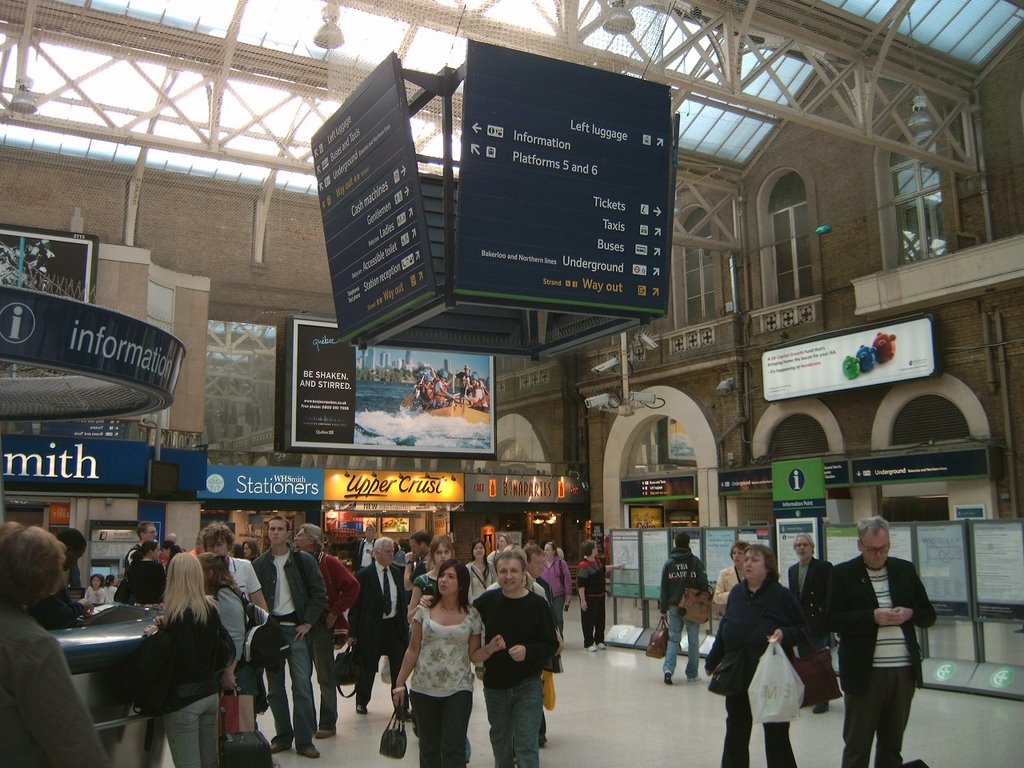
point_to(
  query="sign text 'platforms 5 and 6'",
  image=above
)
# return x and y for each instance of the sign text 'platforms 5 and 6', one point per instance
(564, 196)
(374, 225)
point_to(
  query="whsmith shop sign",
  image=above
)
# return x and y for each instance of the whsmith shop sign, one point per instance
(67, 461)
(263, 483)
(530, 489)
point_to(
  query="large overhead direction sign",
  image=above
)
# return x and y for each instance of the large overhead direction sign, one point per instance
(374, 224)
(565, 194)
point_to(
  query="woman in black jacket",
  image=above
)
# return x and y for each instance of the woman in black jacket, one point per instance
(146, 577)
(759, 609)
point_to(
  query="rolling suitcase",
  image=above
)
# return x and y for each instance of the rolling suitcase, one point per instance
(248, 749)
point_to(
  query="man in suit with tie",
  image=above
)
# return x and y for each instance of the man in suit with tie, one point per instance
(808, 580)
(364, 549)
(377, 624)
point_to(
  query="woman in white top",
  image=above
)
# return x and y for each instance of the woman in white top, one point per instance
(481, 571)
(446, 635)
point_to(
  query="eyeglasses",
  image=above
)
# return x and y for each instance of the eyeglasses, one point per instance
(876, 550)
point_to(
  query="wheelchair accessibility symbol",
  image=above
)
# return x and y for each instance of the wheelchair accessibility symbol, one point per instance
(1001, 678)
(945, 672)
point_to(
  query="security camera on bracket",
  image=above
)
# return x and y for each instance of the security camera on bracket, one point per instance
(607, 365)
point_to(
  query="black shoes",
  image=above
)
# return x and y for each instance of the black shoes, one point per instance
(820, 708)
(360, 709)
(668, 678)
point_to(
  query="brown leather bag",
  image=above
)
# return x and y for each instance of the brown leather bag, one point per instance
(696, 604)
(658, 645)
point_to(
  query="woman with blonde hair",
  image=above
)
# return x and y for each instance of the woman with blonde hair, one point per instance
(729, 577)
(191, 618)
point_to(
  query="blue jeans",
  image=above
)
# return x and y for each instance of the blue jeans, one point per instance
(675, 633)
(192, 734)
(514, 714)
(300, 667)
(442, 722)
(321, 645)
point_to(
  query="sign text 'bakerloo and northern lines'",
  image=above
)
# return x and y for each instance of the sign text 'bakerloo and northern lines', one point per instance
(617, 246)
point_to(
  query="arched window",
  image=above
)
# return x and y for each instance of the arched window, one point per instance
(696, 304)
(790, 243)
(917, 209)
(664, 445)
(798, 435)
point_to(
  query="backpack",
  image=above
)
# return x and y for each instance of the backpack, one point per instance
(265, 644)
(123, 592)
(149, 675)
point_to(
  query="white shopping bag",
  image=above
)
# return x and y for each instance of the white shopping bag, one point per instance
(385, 671)
(776, 690)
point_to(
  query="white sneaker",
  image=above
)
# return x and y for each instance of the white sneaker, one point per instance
(592, 649)
(601, 647)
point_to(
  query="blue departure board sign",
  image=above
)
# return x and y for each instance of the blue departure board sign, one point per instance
(564, 186)
(374, 224)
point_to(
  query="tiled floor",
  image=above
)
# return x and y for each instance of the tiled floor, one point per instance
(614, 710)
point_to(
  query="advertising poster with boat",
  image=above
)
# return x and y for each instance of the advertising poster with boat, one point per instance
(385, 399)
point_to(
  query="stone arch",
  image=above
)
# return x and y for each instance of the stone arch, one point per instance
(946, 386)
(514, 427)
(778, 412)
(684, 409)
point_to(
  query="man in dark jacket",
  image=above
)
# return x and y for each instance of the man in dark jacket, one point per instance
(875, 603)
(808, 580)
(683, 570)
(59, 611)
(295, 594)
(376, 624)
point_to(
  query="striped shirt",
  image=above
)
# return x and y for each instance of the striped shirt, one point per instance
(890, 646)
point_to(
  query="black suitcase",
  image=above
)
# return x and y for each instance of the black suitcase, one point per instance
(249, 749)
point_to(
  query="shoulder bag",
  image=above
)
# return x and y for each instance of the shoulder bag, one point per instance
(346, 671)
(732, 675)
(817, 674)
(696, 604)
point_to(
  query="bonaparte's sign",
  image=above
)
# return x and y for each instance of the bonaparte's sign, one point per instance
(532, 489)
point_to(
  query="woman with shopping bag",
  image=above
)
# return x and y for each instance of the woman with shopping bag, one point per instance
(759, 609)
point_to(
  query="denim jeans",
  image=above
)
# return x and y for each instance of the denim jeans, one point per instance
(442, 722)
(300, 668)
(192, 734)
(321, 645)
(514, 714)
(675, 633)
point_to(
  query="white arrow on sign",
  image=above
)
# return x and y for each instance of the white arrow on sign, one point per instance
(476, 127)
(657, 211)
(661, 142)
(657, 251)
(474, 149)
(657, 231)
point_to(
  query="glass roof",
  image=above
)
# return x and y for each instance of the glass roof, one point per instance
(266, 117)
(968, 30)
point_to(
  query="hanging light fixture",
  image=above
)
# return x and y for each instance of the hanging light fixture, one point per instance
(921, 123)
(619, 20)
(23, 101)
(329, 36)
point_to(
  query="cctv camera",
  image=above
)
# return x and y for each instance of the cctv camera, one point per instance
(597, 401)
(647, 398)
(725, 385)
(648, 343)
(607, 365)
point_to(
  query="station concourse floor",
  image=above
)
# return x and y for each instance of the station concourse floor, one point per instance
(613, 709)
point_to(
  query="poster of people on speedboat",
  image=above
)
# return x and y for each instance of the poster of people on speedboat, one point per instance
(424, 399)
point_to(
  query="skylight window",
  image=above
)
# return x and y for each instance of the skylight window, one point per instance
(719, 132)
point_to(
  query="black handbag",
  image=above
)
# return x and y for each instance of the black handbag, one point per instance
(393, 741)
(732, 675)
(346, 671)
